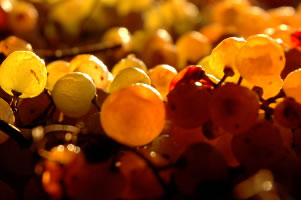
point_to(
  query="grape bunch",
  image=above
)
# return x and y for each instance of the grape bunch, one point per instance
(198, 100)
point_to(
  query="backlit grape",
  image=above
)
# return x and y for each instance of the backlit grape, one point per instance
(23, 17)
(224, 55)
(55, 70)
(13, 43)
(129, 76)
(23, 72)
(292, 85)
(73, 94)
(92, 66)
(260, 60)
(161, 76)
(133, 115)
(234, 108)
(191, 47)
(129, 61)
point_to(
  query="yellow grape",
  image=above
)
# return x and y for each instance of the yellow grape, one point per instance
(93, 67)
(13, 43)
(55, 70)
(7, 115)
(23, 17)
(129, 61)
(129, 76)
(69, 14)
(117, 35)
(292, 85)
(223, 55)
(23, 72)
(270, 89)
(282, 32)
(260, 60)
(161, 76)
(133, 115)
(73, 94)
(191, 47)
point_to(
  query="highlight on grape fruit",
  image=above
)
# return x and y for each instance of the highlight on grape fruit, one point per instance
(23, 72)
(150, 100)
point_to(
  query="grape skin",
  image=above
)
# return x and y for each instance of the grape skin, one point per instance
(23, 72)
(133, 115)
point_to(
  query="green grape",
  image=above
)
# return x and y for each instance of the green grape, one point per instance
(129, 61)
(234, 108)
(260, 60)
(191, 47)
(258, 147)
(117, 35)
(23, 72)
(73, 94)
(125, 7)
(7, 115)
(161, 76)
(133, 115)
(129, 76)
(69, 14)
(223, 55)
(13, 43)
(288, 113)
(292, 85)
(23, 18)
(55, 70)
(187, 105)
(93, 67)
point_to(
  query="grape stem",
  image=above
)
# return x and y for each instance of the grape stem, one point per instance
(265, 105)
(14, 101)
(15, 134)
(228, 72)
(51, 55)
(239, 80)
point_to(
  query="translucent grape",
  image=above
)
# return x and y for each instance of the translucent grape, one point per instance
(260, 60)
(234, 108)
(288, 113)
(133, 115)
(129, 76)
(23, 72)
(223, 55)
(23, 17)
(92, 66)
(117, 35)
(73, 94)
(129, 61)
(191, 47)
(161, 76)
(13, 43)
(292, 85)
(187, 105)
(160, 54)
(7, 115)
(55, 70)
